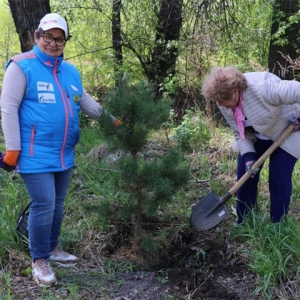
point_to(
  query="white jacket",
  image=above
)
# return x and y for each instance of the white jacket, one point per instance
(269, 103)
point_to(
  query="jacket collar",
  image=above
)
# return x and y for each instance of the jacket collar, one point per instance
(47, 60)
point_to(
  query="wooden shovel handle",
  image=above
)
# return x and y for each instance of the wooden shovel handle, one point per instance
(262, 159)
(257, 164)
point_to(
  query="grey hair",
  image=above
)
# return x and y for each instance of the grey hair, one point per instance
(220, 83)
(39, 32)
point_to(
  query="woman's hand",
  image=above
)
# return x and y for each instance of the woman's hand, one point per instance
(4, 165)
(296, 124)
(117, 123)
(249, 164)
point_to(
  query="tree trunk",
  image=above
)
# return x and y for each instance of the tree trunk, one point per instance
(168, 32)
(165, 52)
(278, 64)
(116, 37)
(27, 15)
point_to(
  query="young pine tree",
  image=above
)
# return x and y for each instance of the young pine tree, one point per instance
(151, 183)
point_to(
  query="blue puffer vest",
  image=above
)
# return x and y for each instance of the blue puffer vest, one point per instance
(49, 113)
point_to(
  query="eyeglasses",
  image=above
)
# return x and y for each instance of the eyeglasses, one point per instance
(48, 38)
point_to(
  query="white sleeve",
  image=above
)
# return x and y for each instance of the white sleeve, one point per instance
(90, 107)
(13, 90)
(281, 92)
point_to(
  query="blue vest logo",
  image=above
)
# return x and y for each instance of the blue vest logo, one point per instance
(46, 98)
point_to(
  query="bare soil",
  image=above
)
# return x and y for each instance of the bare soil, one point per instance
(219, 276)
(199, 265)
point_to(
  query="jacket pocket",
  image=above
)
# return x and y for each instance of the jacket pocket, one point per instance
(32, 135)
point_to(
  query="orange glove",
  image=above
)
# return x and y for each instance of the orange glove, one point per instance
(117, 123)
(11, 157)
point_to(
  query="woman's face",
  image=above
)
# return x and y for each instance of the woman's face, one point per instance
(51, 48)
(232, 102)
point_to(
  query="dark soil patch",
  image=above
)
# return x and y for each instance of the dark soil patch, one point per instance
(200, 265)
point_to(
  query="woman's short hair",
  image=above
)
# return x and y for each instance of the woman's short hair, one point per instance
(39, 32)
(220, 83)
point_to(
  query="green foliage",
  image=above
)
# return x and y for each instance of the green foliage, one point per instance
(135, 106)
(158, 179)
(272, 249)
(235, 34)
(9, 41)
(150, 183)
(168, 87)
(14, 200)
(150, 244)
(5, 286)
(193, 132)
(223, 33)
(84, 120)
(90, 47)
(286, 24)
(211, 34)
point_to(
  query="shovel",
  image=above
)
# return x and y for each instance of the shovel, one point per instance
(211, 210)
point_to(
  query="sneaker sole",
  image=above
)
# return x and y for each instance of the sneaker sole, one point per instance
(40, 284)
(64, 265)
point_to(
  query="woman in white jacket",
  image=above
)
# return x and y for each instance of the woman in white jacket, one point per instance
(258, 106)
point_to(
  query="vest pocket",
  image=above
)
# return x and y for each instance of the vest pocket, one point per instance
(32, 140)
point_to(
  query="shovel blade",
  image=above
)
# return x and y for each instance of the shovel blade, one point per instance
(201, 220)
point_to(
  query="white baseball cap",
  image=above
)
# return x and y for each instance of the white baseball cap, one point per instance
(54, 20)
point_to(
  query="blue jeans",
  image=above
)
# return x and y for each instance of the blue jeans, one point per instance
(47, 193)
(281, 166)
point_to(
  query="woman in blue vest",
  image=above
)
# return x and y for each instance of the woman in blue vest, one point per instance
(42, 95)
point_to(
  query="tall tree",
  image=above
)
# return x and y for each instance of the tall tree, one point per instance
(155, 45)
(26, 15)
(285, 38)
(157, 52)
(168, 29)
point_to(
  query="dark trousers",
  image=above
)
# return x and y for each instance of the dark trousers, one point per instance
(281, 166)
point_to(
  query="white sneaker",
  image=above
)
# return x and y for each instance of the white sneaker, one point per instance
(42, 273)
(61, 258)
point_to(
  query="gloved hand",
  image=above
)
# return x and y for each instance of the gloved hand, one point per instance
(249, 165)
(11, 157)
(250, 159)
(4, 165)
(296, 124)
(117, 123)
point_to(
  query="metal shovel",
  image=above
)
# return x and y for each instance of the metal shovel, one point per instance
(211, 210)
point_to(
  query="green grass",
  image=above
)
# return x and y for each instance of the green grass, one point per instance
(272, 251)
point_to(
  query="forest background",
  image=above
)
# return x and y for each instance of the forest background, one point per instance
(173, 44)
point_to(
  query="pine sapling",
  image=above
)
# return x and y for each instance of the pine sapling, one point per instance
(151, 183)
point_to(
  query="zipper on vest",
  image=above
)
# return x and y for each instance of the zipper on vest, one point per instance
(63, 98)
